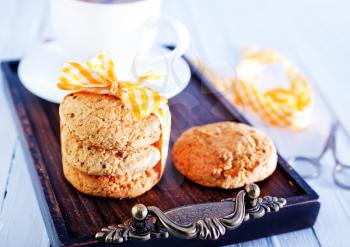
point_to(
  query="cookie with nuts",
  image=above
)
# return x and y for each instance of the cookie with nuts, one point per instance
(225, 154)
(104, 121)
(103, 162)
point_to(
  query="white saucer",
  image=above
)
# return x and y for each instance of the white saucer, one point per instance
(39, 70)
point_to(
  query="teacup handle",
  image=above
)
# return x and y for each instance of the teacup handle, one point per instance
(183, 37)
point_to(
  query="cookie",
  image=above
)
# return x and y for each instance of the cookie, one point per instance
(226, 155)
(126, 186)
(98, 161)
(103, 121)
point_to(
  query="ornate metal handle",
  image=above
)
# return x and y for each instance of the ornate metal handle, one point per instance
(203, 221)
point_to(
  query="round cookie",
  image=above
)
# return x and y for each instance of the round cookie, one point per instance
(226, 155)
(99, 161)
(103, 121)
(126, 186)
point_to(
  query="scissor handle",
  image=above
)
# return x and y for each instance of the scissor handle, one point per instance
(315, 162)
(339, 168)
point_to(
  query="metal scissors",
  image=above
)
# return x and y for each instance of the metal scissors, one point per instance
(315, 162)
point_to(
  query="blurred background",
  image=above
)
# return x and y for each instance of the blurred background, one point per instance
(313, 34)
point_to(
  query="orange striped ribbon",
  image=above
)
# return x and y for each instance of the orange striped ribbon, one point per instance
(284, 107)
(98, 76)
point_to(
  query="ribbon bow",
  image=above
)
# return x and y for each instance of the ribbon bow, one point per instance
(285, 107)
(97, 76)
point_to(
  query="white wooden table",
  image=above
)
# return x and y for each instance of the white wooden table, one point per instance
(315, 34)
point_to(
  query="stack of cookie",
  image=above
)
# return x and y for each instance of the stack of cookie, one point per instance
(106, 150)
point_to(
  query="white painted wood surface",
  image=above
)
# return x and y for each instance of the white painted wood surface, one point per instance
(314, 34)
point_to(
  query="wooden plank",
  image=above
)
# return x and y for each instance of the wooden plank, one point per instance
(8, 140)
(335, 200)
(28, 229)
(20, 220)
(305, 237)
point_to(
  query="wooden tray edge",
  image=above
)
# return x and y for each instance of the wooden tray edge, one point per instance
(45, 210)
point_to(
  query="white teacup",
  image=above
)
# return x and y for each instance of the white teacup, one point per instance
(122, 29)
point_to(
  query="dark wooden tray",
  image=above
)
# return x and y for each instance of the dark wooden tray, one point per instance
(72, 218)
